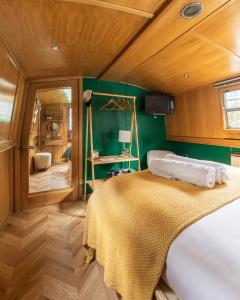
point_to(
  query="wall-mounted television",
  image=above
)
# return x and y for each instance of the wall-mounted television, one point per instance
(161, 104)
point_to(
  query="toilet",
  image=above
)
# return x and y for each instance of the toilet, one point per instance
(42, 160)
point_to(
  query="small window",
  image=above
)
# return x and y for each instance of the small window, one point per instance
(231, 106)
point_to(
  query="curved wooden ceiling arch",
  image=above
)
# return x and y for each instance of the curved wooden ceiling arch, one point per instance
(140, 42)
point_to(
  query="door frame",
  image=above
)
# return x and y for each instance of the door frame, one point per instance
(55, 196)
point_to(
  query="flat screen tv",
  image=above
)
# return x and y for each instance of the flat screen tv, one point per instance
(161, 104)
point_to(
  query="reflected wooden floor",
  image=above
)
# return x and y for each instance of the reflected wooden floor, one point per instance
(56, 177)
(41, 253)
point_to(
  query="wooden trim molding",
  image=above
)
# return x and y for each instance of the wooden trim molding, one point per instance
(51, 79)
(49, 197)
(114, 6)
(206, 141)
(5, 145)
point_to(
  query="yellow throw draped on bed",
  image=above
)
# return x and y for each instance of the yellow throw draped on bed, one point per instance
(132, 220)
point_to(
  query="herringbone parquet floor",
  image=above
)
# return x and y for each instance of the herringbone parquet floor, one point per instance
(54, 178)
(41, 257)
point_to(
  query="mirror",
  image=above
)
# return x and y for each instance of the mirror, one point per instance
(50, 141)
(53, 127)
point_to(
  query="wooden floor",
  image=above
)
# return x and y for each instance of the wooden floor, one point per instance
(41, 253)
(56, 177)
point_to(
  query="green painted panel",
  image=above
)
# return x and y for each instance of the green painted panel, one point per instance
(207, 152)
(106, 124)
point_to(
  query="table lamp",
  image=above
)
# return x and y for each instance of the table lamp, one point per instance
(124, 137)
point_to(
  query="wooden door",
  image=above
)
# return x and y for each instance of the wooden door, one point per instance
(55, 195)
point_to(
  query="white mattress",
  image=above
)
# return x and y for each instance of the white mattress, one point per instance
(203, 262)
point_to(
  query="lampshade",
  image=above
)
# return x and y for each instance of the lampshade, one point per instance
(124, 136)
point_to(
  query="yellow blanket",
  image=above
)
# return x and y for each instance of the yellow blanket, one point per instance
(132, 220)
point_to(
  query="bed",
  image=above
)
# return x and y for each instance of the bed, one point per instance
(203, 262)
(184, 226)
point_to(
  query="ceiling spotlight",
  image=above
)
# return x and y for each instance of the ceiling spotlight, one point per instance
(186, 75)
(191, 10)
(55, 47)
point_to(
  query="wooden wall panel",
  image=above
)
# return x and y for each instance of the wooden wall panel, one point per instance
(198, 118)
(8, 84)
(12, 84)
(7, 185)
(15, 130)
(197, 114)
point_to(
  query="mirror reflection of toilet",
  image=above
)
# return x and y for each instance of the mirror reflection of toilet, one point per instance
(42, 160)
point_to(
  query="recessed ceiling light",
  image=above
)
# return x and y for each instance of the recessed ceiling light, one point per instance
(55, 47)
(186, 75)
(191, 10)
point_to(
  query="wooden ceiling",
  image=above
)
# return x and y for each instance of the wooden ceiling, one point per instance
(89, 36)
(55, 96)
(140, 42)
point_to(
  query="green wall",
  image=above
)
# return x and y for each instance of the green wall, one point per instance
(152, 131)
(106, 124)
(207, 152)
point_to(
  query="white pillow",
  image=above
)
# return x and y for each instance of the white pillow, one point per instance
(155, 154)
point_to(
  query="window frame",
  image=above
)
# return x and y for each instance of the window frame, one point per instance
(226, 110)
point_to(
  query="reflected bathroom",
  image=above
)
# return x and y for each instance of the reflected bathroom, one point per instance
(50, 141)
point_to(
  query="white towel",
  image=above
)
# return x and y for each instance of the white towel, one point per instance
(197, 174)
(222, 172)
(153, 154)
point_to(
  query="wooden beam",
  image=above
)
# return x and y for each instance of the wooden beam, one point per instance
(114, 6)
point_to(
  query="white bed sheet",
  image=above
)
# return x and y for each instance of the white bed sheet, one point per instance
(203, 262)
